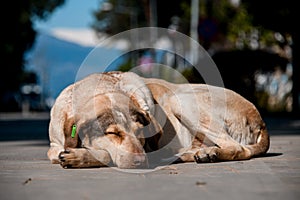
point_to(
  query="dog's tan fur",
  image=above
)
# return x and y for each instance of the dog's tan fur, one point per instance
(109, 110)
(221, 125)
(115, 111)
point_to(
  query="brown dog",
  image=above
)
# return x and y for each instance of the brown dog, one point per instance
(117, 118)
(99, 120)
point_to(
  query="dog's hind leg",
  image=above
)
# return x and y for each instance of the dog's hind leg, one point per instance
(228, 149)
(224, 147)
(215, 154)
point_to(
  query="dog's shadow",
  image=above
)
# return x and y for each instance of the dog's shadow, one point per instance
(271, 154)
(178, 161)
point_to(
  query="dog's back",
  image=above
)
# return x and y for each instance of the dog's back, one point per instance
(215, 116)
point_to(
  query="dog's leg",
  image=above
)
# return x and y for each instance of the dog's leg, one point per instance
(224, 147)
(56, 143)
(215, 154)
(53, 153)
(200, 151)
(82, 158)
(187, 155)
(56, 134)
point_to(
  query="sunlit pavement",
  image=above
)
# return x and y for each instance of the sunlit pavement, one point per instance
(26, 173)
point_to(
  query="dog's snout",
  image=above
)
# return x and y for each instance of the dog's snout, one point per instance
(139, 160)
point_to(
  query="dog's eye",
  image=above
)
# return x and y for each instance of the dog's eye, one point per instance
(112, 133)
(113, 130)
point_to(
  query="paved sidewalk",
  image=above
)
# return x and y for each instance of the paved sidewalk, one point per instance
(26, 173)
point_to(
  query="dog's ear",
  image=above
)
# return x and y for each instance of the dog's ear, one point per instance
(153, 133)
(151, 129)
(71, 141)
(140, 116)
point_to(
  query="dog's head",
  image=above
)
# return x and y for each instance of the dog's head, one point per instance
(115, 123)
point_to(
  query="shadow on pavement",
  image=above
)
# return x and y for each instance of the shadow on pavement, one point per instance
(271, 155)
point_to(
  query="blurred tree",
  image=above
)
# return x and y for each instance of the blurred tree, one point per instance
(242, 26)
(225, 24)
(241, 37)
(17, 37)
(281, 17)
(115, 16)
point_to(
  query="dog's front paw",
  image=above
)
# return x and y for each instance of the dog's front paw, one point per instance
(205, 155)
(69, 159)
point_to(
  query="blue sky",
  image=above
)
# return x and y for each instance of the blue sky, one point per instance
(66, 39)
(72, 14)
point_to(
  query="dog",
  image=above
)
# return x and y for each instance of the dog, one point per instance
(122, 119)
(95, 121)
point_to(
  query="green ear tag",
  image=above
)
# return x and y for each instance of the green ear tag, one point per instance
(73, 131)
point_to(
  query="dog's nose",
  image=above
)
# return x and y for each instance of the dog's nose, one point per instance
(140, 161)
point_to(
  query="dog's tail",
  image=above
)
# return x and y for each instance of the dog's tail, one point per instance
(262, 144)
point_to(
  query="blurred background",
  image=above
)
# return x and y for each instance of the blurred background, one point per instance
(253, 43)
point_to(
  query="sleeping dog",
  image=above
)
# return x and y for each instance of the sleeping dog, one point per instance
(121, 119)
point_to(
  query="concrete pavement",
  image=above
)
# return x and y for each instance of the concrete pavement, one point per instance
(26, 173)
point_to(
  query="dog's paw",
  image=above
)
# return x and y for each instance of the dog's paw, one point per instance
(205, 155)
(69, 159)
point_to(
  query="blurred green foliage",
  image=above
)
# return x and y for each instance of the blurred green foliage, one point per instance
(17, 37)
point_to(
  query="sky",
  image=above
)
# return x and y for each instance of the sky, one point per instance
(71, 41)
(72, 14)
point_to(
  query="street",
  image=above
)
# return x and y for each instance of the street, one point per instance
(26, 173)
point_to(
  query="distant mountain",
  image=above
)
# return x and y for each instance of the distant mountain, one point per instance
(58, 61)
